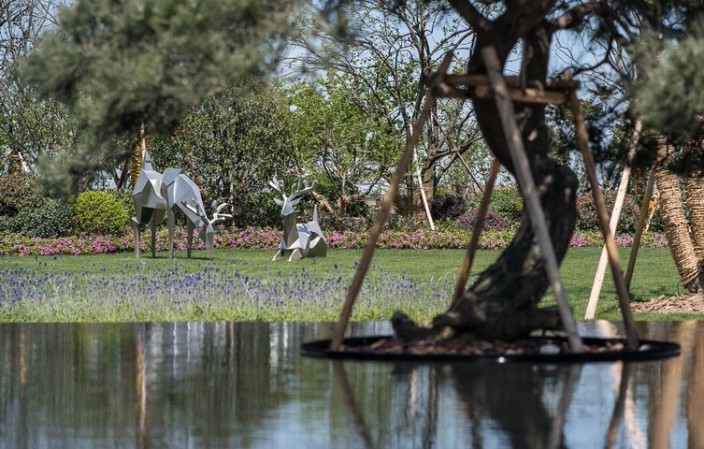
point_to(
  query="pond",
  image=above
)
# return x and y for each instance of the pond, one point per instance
(244, 385)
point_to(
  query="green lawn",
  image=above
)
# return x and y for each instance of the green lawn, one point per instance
(247, 285)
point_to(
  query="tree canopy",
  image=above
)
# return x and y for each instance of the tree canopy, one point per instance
(121, 64)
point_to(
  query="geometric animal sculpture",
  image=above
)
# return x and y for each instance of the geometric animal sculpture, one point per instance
(157, 195)
(184, 194)
(300, 239)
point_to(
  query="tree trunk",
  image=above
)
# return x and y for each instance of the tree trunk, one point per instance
(674, 220)
(502, 303)
(694, 187)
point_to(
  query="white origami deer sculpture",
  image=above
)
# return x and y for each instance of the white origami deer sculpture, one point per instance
(183, 193)
(156, 195)
(302, 240)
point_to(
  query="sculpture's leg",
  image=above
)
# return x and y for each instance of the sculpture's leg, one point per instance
(296, 254)
(209, 245)
(171, 233)
(153, 226)
(135, 228)
(190, 239)
(278, 255)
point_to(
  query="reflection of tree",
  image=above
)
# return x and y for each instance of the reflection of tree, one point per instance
(695, 393)
(130, 383)
(511, 397)
(663, 407)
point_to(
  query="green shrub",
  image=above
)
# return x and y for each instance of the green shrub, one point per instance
(587, 219)
(257, 209)
(99, 212)
(447, 207)
(506, 201)
(52, 219)
(492, 221)
(125, 197)
(17, 191)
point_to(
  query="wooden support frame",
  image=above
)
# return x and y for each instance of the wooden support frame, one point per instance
(505, 91)
(599, 203)
(387, 202)
(613, 222)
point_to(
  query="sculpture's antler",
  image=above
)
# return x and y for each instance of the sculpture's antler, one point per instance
(296, 195)
(217, 214)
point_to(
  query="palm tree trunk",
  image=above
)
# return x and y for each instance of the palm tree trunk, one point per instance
(674, 220)
(694, 186)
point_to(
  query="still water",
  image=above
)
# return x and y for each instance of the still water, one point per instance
(244, 385)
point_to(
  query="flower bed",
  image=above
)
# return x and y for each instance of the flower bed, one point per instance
(263, 238)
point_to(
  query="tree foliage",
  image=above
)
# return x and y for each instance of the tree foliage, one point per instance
(352, 151)
(391, 46)
(121, 64)
(231, 144)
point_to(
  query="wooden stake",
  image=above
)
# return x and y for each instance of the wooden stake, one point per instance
(615, 215)
(639, 229)
(387, 202)
(525, 179)
(476, 232)
(622, 291)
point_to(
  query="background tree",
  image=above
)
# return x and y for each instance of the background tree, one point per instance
(29, 126)
(231, 144)
(350, 152)
(669, 100)
(118, 65)
(392, 44)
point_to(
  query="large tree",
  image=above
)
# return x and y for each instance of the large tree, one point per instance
(503, 301)
(231, 144)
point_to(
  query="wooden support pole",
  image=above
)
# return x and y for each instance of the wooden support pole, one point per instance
(525, 179)
(615, 214)
(423, 196)
(622, 291)
(476, 232)
(639, 229)
(387, 202)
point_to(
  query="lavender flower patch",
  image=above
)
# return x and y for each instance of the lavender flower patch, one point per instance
(213, 292)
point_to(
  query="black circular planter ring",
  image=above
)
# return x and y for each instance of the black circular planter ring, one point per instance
(648, 350)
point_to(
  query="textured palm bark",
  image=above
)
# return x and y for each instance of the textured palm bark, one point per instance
(674, 219)
(694, 188)
(502, 303)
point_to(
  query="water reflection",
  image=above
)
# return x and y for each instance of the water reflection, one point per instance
(244, 385)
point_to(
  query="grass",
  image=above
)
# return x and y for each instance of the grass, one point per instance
(245, 285)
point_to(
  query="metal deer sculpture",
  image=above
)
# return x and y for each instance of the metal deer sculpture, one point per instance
(302, 240)
(183, 193)
(156, 195)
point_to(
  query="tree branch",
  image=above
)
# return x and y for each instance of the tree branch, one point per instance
(575, 16)
(470, 14)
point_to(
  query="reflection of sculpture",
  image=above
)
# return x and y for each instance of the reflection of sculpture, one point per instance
(303, 240)
(155, 194)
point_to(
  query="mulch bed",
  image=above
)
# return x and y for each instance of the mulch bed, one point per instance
(693, 303)
(461, 347)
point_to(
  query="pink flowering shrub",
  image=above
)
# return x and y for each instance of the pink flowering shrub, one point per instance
(266, 238)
